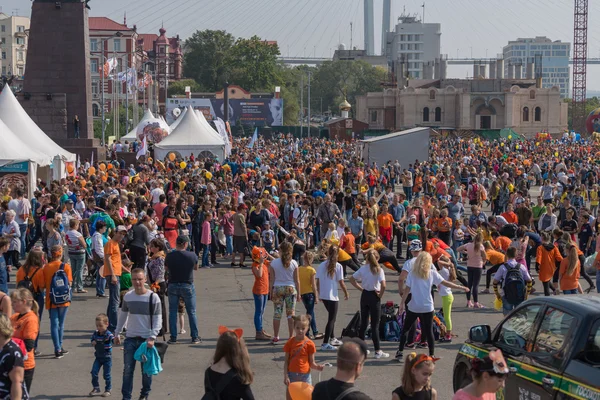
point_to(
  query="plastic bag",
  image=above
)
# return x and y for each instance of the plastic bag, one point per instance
(498, 304)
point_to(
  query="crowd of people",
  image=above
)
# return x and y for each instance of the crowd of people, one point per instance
(133, 231)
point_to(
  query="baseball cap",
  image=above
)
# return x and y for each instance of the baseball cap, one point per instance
(69, 201)
(181, 240)
(415, 245)
(121, 228)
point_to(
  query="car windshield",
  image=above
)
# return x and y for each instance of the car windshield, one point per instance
(592, 348)
(517, 329)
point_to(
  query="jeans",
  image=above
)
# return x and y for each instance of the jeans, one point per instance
(188, 293)
(260, 303)
(130, 346)
(39, 298)
(106, 363)
(23, 238)
(57, 326)
(506, 306)
(77, 263)
(114, 297)
(229, 244)
(4, 279)
(309, 303)
(205, 254)
(598, 280)
(100, 284)
(570, 291)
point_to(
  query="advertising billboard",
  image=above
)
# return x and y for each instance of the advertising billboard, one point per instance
(258, 112)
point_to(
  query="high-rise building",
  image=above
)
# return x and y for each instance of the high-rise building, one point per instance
(386, 23)
(13, 44)
(555, 60)
(414, 43)
(369, 27)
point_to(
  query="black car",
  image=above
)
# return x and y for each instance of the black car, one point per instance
(551, 345)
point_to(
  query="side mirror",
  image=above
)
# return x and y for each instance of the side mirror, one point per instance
(480, 334)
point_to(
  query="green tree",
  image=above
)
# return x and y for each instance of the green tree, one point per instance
(254, 64)
(109, 129)
(178, 87)
(208, 58)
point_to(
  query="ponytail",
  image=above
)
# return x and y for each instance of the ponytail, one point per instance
(372, 259)
(332, 258)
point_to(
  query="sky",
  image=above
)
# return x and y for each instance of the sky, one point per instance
(317, 27)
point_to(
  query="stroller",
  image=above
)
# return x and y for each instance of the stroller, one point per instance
(91, 269)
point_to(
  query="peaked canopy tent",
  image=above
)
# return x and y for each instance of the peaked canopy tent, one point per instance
(190, 136)
(148, 116)
(17, 119)
(178, 120)
(205, 123)
(405, 146)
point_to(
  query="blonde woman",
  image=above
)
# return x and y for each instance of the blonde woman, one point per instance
(285, 288)
(26, 324)
(476, 258)
(329, 274)
(12, 385)
(419, 283)
(372, 288)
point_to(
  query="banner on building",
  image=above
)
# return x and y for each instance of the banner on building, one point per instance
(258, 112)
(15, 176)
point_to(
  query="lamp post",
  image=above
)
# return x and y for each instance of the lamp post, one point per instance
(118, 34)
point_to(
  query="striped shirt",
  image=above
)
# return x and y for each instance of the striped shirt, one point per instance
(104, 343)
(135, 315)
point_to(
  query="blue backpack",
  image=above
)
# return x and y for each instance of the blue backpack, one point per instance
(60, 289)
(392, 331)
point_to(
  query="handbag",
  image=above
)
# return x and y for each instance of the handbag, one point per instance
(161, 347)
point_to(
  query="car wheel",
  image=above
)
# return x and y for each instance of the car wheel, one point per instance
(462, 377)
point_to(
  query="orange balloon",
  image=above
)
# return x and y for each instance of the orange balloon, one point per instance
(110, 166)
(300, 390)
(172, 156)
(102, 167)
(92, 171)
(70, 168)
(104, 179)
(83, 182)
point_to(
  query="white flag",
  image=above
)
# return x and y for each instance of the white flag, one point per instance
(92, 162)
(223, 132)
(143, 149)
(254, 138)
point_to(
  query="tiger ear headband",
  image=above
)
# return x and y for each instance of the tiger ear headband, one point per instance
(239, 332)
(422, 358)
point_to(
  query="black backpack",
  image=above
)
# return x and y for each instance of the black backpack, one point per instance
(389, 312)
(353, 326)
(509, 230)
(27, 282)
(514, 285)
(215, 393)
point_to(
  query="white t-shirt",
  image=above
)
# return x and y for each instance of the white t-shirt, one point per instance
(72, 238)
(155, 193)
(370, 282)
(421, 301)
(328, 286)
(300, 216)
(443, 290)
(284, 276)
(408, 265)
(20, 207)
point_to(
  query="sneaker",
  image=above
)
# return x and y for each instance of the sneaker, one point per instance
(205, 266)
(266, 334)
(368, 351)
(485, 291)
(274, 339)
(64, 352)
(261, 336)
(197, 340)
(172, 341)
(399, 356)
(233, 265)
(37, 353)
(446, 339)
(243, 265)
(410, 345)
(102, 296)
(95, 392)
(58, 354)
(106, 394)
(380, 354)
(423, 345)
(82, 291)
(182, 331)
(327, 347)
(469, 304)
(143, 398)
(319, 336)
(335, 342)
(479, 305)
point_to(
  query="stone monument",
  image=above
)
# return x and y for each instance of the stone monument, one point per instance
(57, 84)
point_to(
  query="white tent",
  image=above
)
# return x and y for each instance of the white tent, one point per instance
(17, 119)
(405, 146)
(205, 123)
(143, 122)
(14, 150)
(163, 124)
(178, 120)
(191, 136)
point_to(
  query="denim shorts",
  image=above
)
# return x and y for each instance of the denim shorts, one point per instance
(297, 377)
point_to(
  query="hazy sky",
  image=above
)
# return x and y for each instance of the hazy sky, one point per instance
(316, 27)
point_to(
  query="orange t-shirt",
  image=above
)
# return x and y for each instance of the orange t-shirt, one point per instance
(49, 270)
(377, 245)
(26, 327)
(494, 257)
(385, 221)
(111, 248)
(502, 243)
(546, 261)
(568, 282)
(443, 224)
(261, 284)
(38, 279)
(299, 352)
(510, 217)
(349, 243)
